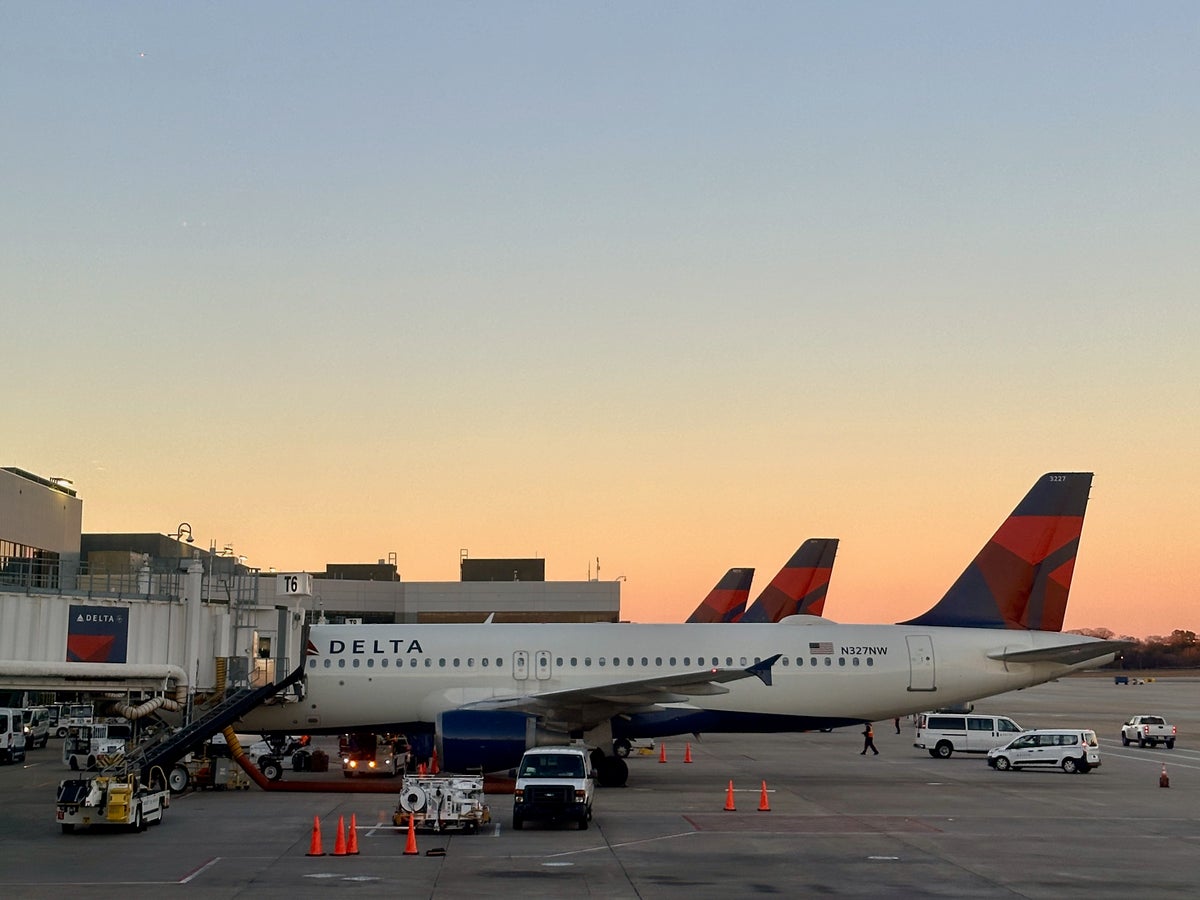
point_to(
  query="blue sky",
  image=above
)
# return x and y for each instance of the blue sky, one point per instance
(667, 283)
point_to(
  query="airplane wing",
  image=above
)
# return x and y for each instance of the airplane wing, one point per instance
(586, 707)
(1067, 654)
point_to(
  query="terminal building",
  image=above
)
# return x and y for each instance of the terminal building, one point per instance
(155, 613)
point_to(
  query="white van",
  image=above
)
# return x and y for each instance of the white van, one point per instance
(1070, 749)
(943, 733)
(12, 735)
(37, 727)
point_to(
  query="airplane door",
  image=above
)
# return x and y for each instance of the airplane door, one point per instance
(521, 665)
(920, 663)
(542, 667)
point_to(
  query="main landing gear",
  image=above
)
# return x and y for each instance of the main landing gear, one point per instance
(611, 771)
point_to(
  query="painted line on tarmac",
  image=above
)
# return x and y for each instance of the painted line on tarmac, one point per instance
(661, 837)
(1174, 762)
(200, 871)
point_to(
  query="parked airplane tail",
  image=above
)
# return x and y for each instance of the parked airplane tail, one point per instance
(727, 601)
(800, 586)
(1022, 576)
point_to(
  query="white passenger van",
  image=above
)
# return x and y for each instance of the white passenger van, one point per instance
(12, 735)
(944, 733)
(1070, 749)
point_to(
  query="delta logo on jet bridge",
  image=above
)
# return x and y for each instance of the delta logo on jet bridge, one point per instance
(98, 634)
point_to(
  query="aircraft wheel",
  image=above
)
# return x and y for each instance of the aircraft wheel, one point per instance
(621, 747)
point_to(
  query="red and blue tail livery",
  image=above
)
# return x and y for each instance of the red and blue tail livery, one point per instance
(727, 601)
(800, 586)
(1022, 576)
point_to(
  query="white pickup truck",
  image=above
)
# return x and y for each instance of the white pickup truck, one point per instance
(1152, 730)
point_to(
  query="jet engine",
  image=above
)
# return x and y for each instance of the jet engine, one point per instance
(486, 740)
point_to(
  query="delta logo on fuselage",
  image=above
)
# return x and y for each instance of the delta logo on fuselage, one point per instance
(359, 647)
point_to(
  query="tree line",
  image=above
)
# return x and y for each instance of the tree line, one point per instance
(1177, 650)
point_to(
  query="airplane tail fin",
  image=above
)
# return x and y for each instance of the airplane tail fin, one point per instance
(1022, 576)
(727, 601)
(800, 586)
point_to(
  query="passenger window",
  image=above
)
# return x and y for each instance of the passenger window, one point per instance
(658, 660)
(841, 660)
(828, 661)
(574, 660)
(413, 662)
(355, 663)
(812, 660)
(371, 662)
(672, 660)
(587, 660)
(716, 661)
(442, 662)
(328, 663)
(729, 660)
(428, 663)
(645, 661)
(856, 661)
(484, 661)
(558, 662)
(341, 664)
(870, 660)
(743, 660)
(687, 660)
(600, 659)
(629, 661)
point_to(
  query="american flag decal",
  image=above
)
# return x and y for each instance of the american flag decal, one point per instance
(823, 648)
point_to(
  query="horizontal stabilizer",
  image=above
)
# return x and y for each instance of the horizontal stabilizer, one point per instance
(1067, 654)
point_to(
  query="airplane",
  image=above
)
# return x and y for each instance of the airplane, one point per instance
(800, 587)
(492, 690)
(727, 600)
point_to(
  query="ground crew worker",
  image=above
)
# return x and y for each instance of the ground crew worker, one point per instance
(868, 740)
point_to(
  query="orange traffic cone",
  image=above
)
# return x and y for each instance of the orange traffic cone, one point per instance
(662, 753)
(420, 768)
(763, 804)
(339, 840)
(433, 766)
(410, 849)
(314, 848)
(1163, 780)
(687, 752)
(352, 837)
(729, 807)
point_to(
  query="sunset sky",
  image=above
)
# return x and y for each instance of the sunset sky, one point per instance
(673, 285)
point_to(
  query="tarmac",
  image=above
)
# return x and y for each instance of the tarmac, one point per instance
(900, 824)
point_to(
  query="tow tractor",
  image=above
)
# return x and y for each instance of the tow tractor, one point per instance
(442, 802)
(111, 800)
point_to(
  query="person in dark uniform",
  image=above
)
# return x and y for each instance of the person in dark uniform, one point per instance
(897, 723)
(868, 740)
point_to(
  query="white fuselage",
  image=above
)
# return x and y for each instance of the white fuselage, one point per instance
(361, 676)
